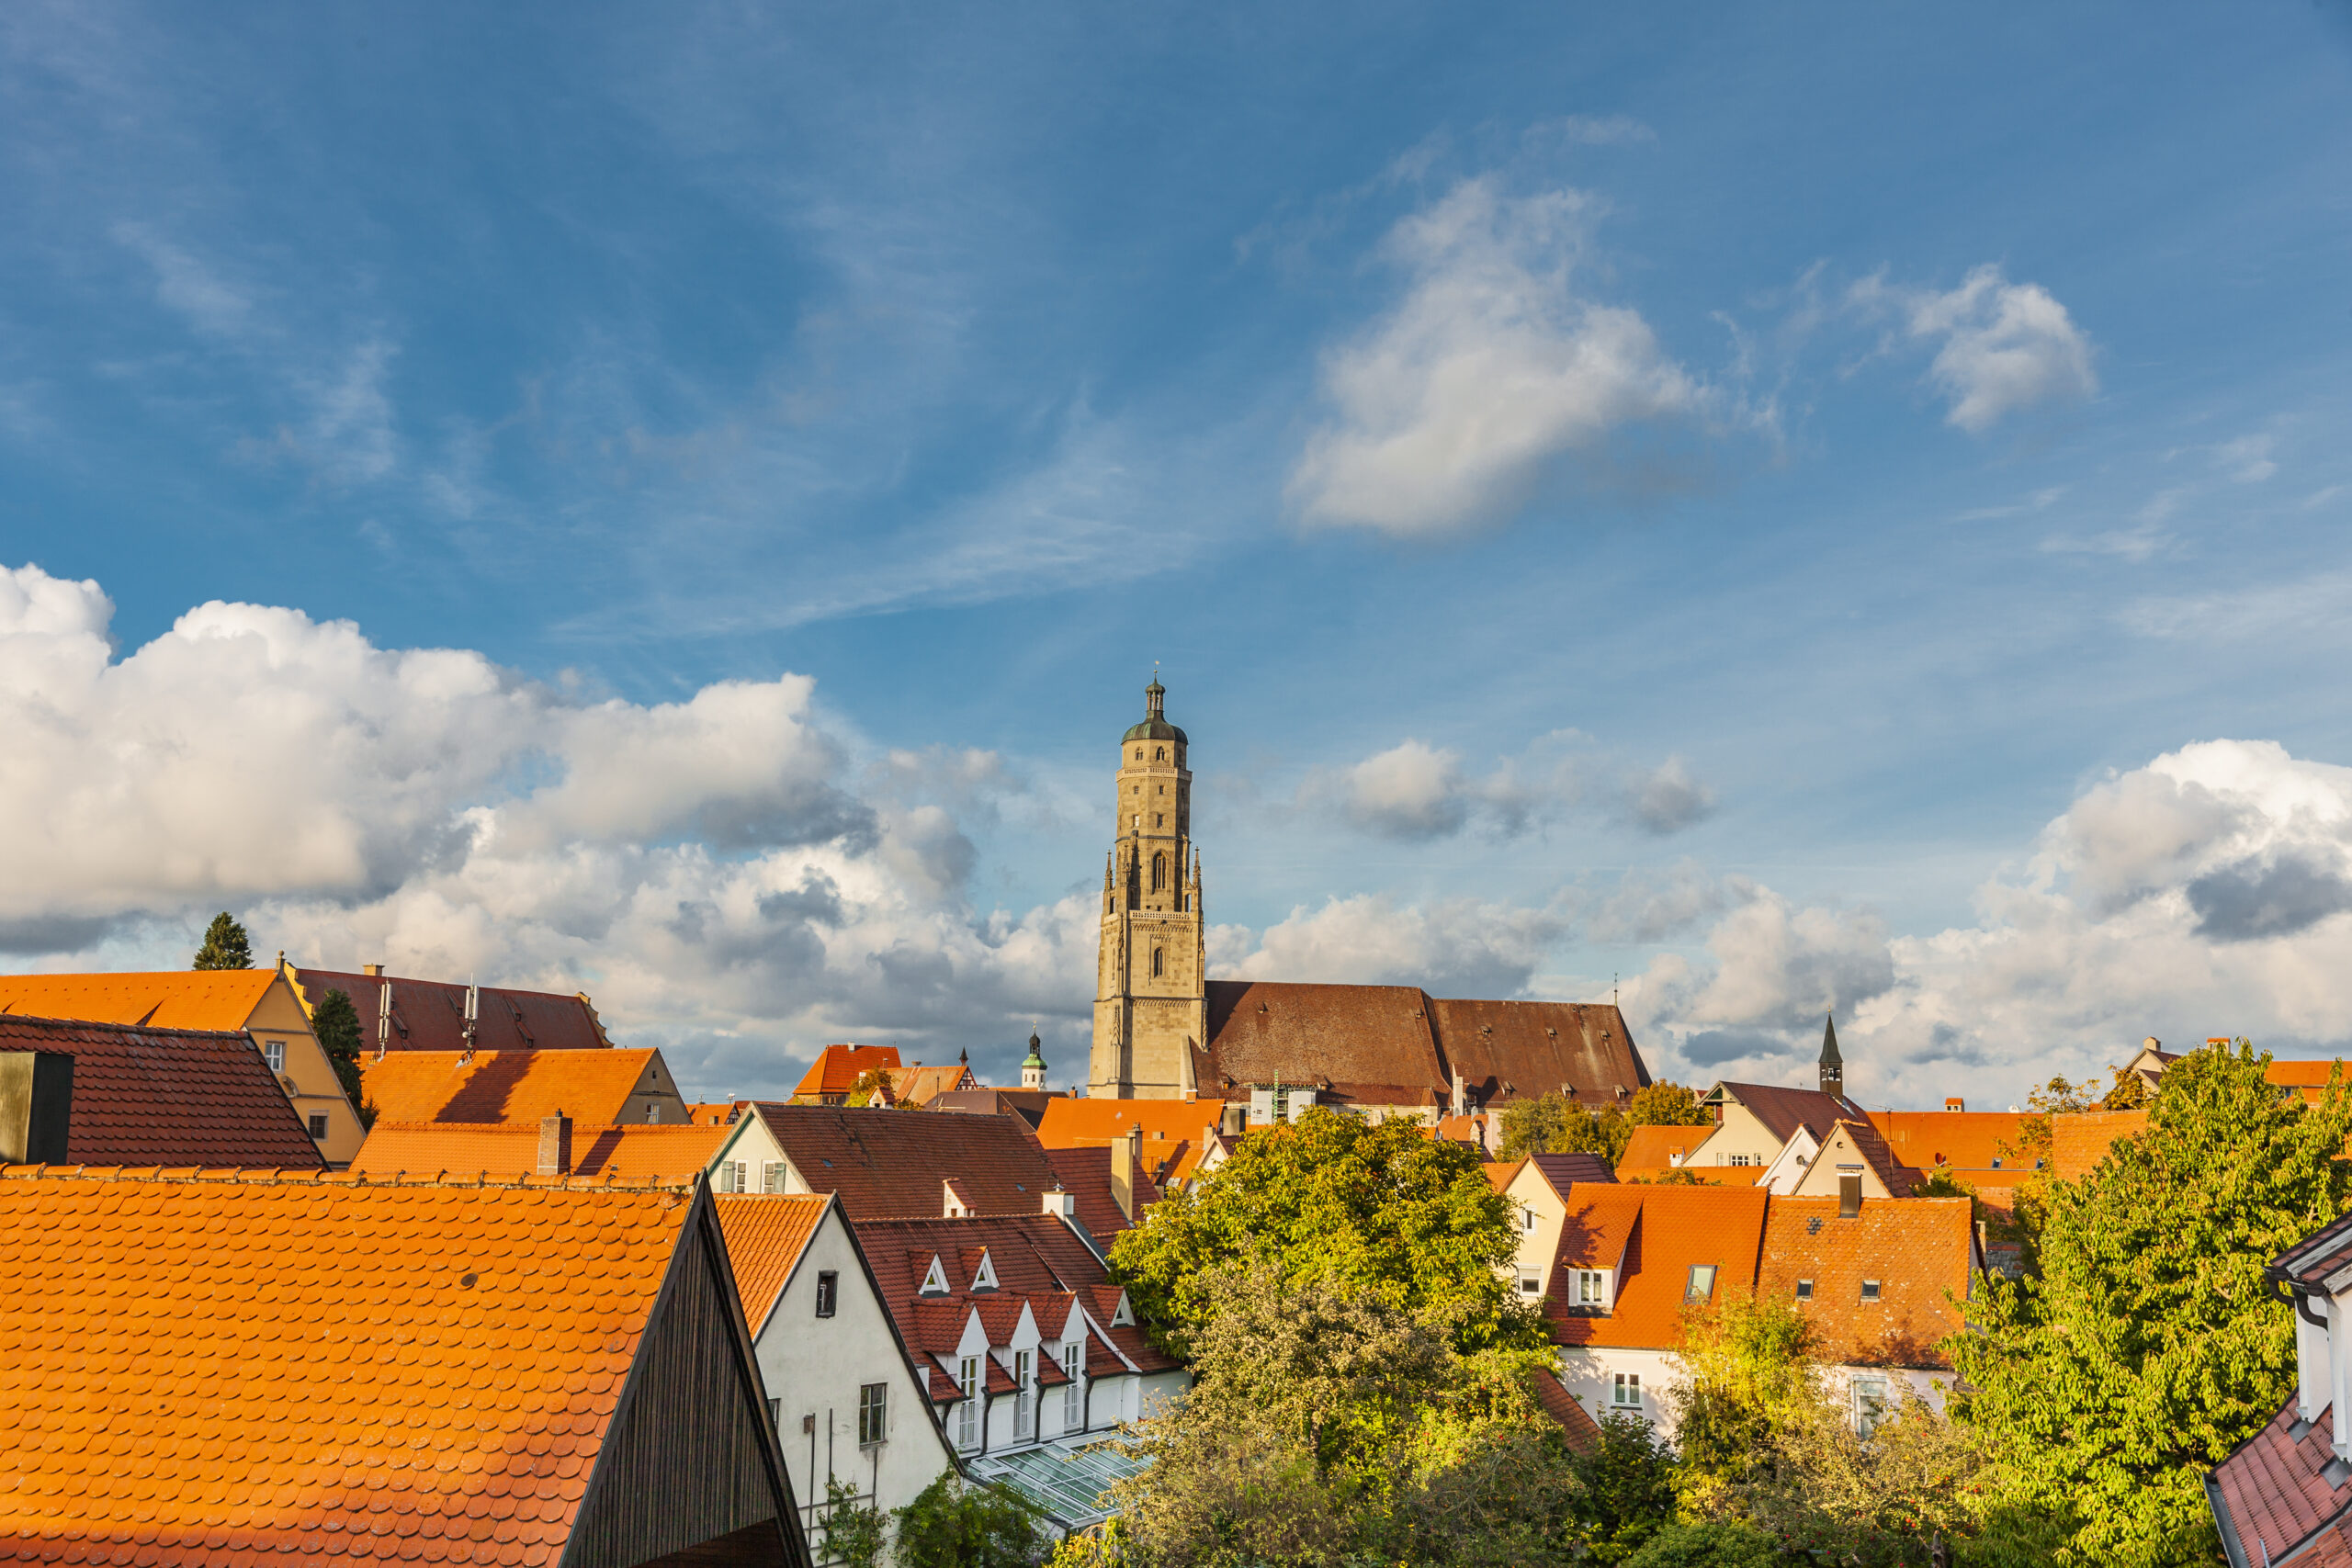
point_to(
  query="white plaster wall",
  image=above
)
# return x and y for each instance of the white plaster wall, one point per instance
(1590, 1374)
(814, 1365)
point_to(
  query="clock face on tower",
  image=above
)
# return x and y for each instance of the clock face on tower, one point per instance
(1149, 998)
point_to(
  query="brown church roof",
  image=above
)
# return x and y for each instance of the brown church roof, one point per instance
(168, 1096)
(1369, 1043)
(1522, 1049)
(430, 1015)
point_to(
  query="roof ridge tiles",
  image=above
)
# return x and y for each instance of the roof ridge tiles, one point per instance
(9, 1018)
(250, 1175)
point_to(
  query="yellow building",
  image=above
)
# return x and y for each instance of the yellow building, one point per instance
(258, 1001)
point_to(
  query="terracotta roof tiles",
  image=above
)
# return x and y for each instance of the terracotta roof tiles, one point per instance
(1653, 1148)
(2276, 1498)
(1917, 1251)
(838, 1068)
(2079, 1140)
(169, 998)
(161, 1407)
(1085, 1174)
(765, 1237)
(1653, 1236)
(636, 1151)
(592, 1087)
(1967, 1141)
(1583, 1433)
(178, 1097)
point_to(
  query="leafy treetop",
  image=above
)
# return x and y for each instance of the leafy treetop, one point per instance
(225, 945)
(1556, 1124)
(335, 1022)
(1381, 1206)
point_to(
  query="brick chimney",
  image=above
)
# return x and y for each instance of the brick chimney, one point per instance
(36, 1106)
(371, 969)
(1126, 1159)
(554, 1144)
(1062, 1203)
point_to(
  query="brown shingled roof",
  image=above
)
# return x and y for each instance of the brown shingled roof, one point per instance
(1518, 1050)
(168, 1096)
(896, 1164)
(430, 1015)
(1373, 1038)
(1085, 1174)
(1783, 1110)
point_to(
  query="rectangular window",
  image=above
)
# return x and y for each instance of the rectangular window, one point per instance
(1022, 1428)
(828, 1290)
(652, 1111)
(1804, 1290)
(967, 1411)
(1530, 1282)
(1074, 1393)
(319, 1125)
(775, 1415)
(770, 1176)
(743, 1177)
(1527, 1218)
(872, 1412)
(1870, 1290)
(1626, 1393)
(1590, 1288)
(1702, 1282)
(1869, 1402)
(275, 1051)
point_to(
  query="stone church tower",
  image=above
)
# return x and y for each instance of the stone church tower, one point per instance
(1150, 1001)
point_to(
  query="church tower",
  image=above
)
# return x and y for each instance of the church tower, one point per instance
(1833, 1065)
(1151, 997)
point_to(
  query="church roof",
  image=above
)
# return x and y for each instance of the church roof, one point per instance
(1522, 1049)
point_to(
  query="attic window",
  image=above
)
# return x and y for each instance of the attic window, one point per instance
(934, 1279)
(1804, 1290)
(1870, 1290)
(984, 1277)
(1996, 1162)
(1702, 1283)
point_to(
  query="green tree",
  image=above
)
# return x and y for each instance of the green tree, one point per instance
(1555, 1125)
(1627, 1484)
(1666, 1105)
(225, 945)
(336, 1023)
(953, 1523)
(1329, 1424)
(1718, 1544)
(2150, 1346)
(1380, 1206)
(851, 1532)
(872, 1087)
(1747, 1381)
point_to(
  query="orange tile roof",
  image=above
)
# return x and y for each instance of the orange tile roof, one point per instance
(1915, 1248)
(920, 1085)
(765, 1237)
(430, 1015)
(2080, 1139)
(168, 999)
(502, 1086)
(162, 1408)
(1653, 1148)
(838, 1068)
(1652, 1236)
(1964, 1140)
(716, 1113)
(1071, 1123)
(1500, 1173)
(633, 1152)
(1583, 1433)
(168, 1095)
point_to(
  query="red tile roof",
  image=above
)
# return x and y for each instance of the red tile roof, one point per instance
(1085, 1174)
(177, 1096)
(2079, 1140)
(430, 1015)
(2274, 1497)
(1070, 1123)
(1500, 1173)
(896, 1164)
(1783, 1110)
(636, 1152)
(160, 1410)
(838, 1068)
(1918, 1249)
(920, 1084)
(594, 1086)
(170, 999)
(1967, 1141)
(1899, 1179)
(1519, 1050)
(765, 1237)
(1652, 1237)
(1582, 1431)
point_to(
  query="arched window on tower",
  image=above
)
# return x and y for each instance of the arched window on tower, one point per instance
(1158, 963)
(1158, 872)
(1160, 754)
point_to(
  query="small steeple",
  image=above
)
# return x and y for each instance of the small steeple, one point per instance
(1833, 1065)
(1153, 697)
(1033, 1067)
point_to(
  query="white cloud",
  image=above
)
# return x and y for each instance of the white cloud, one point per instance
(1453, 408)
(1460, 947)
(2248, 459)
(713, 871)
(2003, 346)
(2204, 894)
(1414, 792)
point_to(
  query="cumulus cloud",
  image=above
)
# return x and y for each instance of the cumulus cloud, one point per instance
(1462, 947)
(1414, 792)
(1451, 409)
(714, 870)
(2204, 894)
(2001, 346)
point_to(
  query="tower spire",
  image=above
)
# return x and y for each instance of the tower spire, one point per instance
(1833, 1065)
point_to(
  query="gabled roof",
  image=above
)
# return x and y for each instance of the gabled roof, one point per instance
(168, 1096)
(1029, 1104)
(634, 1152)
(1653, 1236)
(1520, 1050)
(1783, 1110)
(1500, 1172)
(595, 1086)
(1917, 1248)
(1562, 1171)
(1085, 1175)
(895, 1164)
(765, 1237)
(2271, 1496)
(1372, 1044)
(481, 1338)
(1964, 1140)
(838, 1068)
(430, 1015)
(170, 999)
(1037, 1263)
(1653, 1148)
(1070, 1123)
(920, 1085)
(1899, 1179)
(2080, 1139)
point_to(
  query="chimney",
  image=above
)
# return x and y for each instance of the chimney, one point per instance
(1062, 1203)
(554, 1144)
(377, 969)
(1461, 1092)
(1234, 1120)
(1953, 1102)
(36, 1106)
(1849, 1195)
(1127, 1158)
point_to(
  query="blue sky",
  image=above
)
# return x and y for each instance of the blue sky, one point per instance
(1746, 502)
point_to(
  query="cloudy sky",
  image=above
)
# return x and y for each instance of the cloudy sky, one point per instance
(1764, 509)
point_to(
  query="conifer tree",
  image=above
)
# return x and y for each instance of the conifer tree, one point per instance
(225, 945)
(336, 1023)
(2151, 1346)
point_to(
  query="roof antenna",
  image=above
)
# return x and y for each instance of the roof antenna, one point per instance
(1613, 987)
(383, 1019)
(473, 1013)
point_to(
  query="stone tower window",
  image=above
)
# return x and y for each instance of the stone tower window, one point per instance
(1158, 963)
(1159, 881)
(1160, 754)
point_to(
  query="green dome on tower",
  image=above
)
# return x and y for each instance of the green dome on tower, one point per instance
(1155, 725)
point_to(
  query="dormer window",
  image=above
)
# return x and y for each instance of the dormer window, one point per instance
(1591, 1288)
(934, 1279)
(984, 1277)
(1122, 1315)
